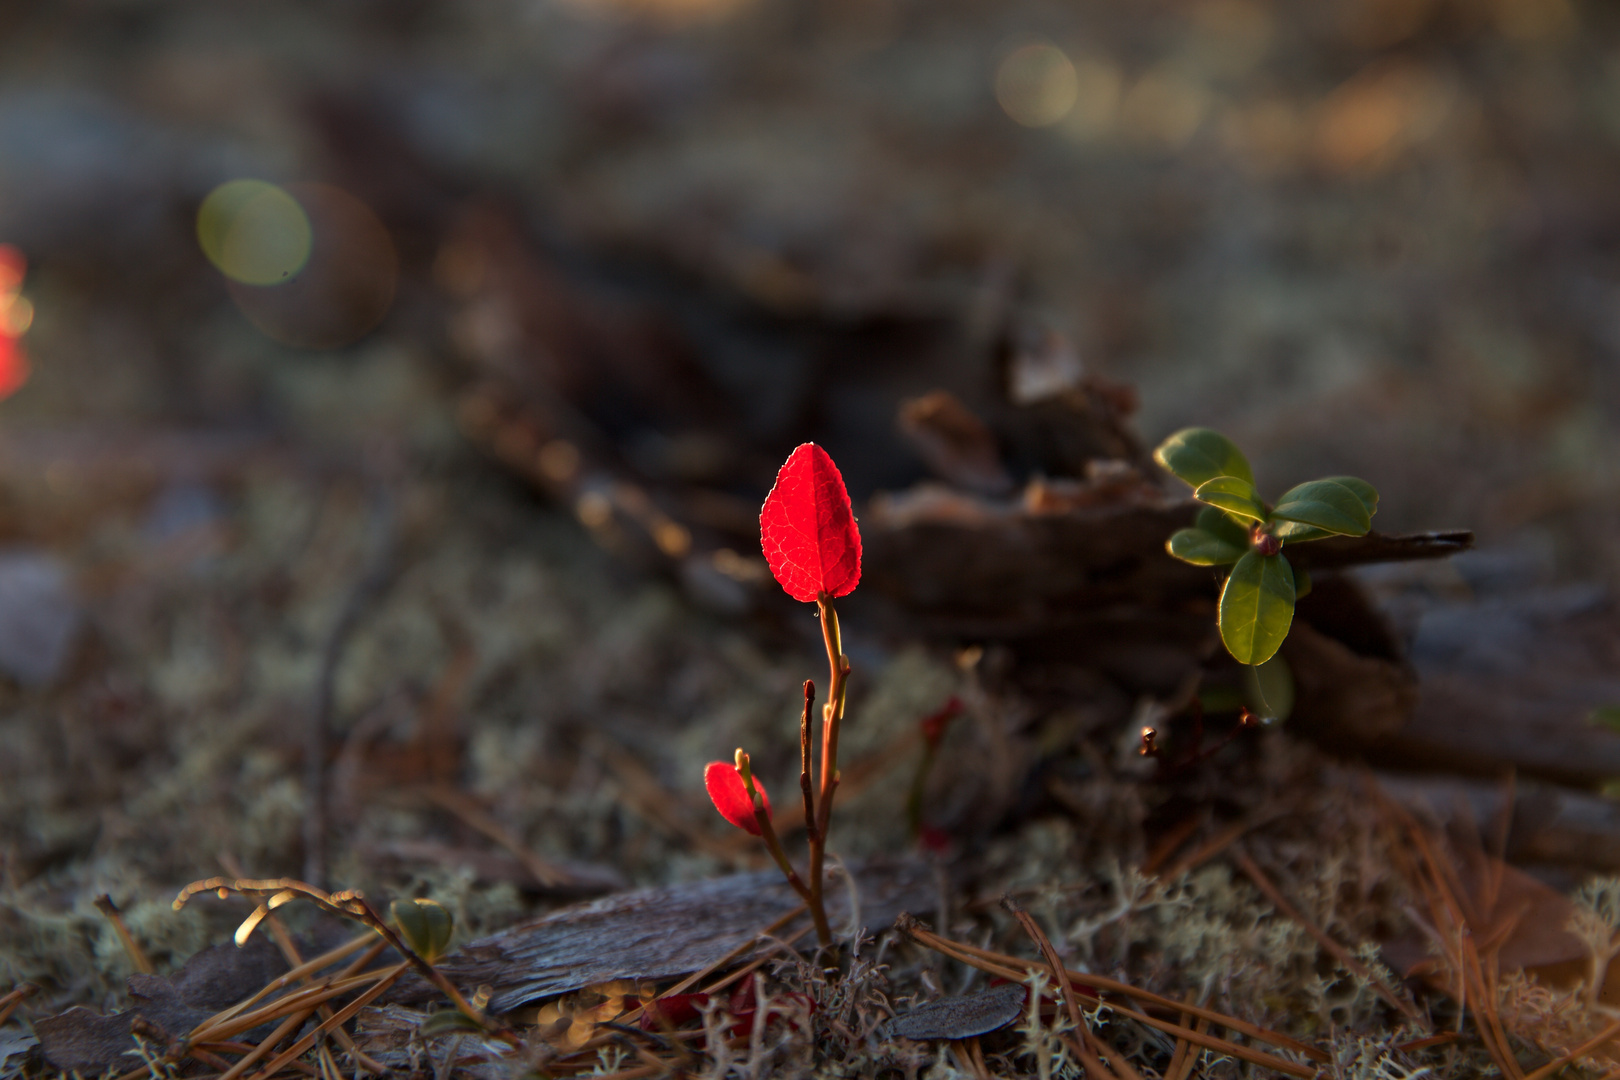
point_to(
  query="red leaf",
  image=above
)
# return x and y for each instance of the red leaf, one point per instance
(807, 528)
(13, 362)
(13, 366)
(730, 796)
(673, 1011)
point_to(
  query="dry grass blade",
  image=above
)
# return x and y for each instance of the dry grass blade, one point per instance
(1475, 987)
(137, 955)
(1339, 952)
(289, 951)
(1221, 841)
(1606, 1035)
(1085, 1039)
(547, 874)
(731, 957)
(214, 1031)
(1483, 990)
(342, 1016)
(1016, 969)
(14, 998)
(299, 974)
(269, 1043)
(1181, 1062)
(654, 803)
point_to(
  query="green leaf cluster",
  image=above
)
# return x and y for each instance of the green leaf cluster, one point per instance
(1238, 528)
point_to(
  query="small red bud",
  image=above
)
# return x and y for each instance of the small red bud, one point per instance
(730, 795)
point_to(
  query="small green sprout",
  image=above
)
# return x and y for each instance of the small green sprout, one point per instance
(1239, 529)
(425, 925)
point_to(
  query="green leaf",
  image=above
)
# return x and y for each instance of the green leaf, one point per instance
(1270, 689)
(1233, 494)
(1607, 716)
(1198, 455)
(1292, 532)
(1327, 505)
(1363, 491)
(424, 925)
(448, 1022)
(1219, 523)
(1257, 607)
(1203, 549)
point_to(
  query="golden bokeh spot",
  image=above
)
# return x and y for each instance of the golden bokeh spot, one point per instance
(1098, 88)
(594, 510)
(1379, 113)
(1164, 107)
(740, 568)
(16, 315)
(254, 232)
(1036, 85)
(558, 461)
(672, 538)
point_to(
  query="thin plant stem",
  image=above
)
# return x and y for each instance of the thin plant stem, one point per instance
(806, 784)
(832, 715)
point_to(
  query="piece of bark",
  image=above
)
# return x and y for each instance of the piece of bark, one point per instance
(1338, 552)
(961, 1017)
(664, 933)
(1551, 825)
(985, 568)
(1343, 700)
(86, 1041)
(17, 1049)
(1484, 725)
(955, 443)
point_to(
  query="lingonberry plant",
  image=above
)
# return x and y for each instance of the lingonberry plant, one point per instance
(1238, 529)
(807, 530)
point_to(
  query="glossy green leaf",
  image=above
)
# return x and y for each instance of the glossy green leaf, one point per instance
(1198, 455)
(1234, 495)
(1269, 689)
(1292, 532)
(1363, 491)
(1257, 607)
(1219, 523)
(1326, 505)
(1203, 549)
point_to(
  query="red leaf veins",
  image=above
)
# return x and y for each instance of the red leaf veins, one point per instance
(807, 528)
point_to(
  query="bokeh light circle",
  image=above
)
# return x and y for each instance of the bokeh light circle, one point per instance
(347, 284)
(1036, 85)
(255, 232)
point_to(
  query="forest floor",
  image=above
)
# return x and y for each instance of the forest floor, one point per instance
(310, 587)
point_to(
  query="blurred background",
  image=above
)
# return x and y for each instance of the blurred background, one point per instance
(307, 301)
(1374, 236)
